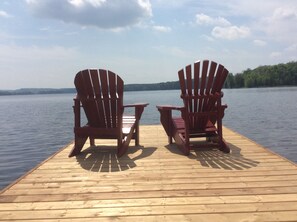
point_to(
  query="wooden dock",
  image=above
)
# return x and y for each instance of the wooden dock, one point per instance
(156, 183)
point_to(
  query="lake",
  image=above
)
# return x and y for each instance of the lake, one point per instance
(33, 127)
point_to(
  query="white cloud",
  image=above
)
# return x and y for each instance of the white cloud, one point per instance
(284, 13)
(231, 32)
(222, 27)
(111, 14)
(4, 14)
(82, 3)
(258, 42)
(291, 48)
(275, 54)
(169, 3)
(161, 28)
(275, 19)
(202, 19)
(286, 54)
(173, 51)
(208, 38)
(291, 52)
(281, 24)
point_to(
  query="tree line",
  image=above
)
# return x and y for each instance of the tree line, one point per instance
(264, 76)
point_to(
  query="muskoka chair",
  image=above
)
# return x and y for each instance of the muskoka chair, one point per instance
(100, 93)
(202, 111)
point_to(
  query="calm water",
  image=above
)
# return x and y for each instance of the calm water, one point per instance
(34, 127)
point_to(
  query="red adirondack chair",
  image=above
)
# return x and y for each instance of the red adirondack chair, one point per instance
(202, 112)
(100, 93)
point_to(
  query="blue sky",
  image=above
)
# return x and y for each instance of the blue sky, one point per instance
(44, 43)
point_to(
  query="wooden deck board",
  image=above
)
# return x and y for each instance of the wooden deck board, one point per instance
(155, 182)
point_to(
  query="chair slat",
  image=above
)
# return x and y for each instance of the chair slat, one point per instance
(182, 82)
(98, 95)
(80, 87)
(211, 74)
(189, 82)
(88, 83)
(200, 122)
(218, 79)
(96, 84)
(196, 83)
(210, 80)
(89, 105)
(203, 81)
(113, 96)
(105, 96)
(189, 79)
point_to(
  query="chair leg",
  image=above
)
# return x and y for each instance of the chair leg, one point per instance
(224, 147)
(222, 143)
(92, 141)
(166, 121)
(170, 140)
(187, 146)
(123, 146)
(182, 143)
(78, 145)
(136, 133)
(122, 149)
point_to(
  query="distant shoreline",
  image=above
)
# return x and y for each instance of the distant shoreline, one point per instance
(34, 91)
(129, 87)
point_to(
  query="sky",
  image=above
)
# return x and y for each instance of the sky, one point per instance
(44, 43)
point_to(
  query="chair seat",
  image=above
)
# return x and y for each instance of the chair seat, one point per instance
(128, 122)
(179, 124)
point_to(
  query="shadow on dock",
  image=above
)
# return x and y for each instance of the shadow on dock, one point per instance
(105, 159)
(213, 158)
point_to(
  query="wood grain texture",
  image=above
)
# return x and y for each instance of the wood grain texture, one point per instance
(156, 182)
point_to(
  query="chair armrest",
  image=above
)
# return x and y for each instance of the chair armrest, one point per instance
(76, 97)
(139, 107)
(166, 118)
(224, 106)
(136, 105)
(170, 107)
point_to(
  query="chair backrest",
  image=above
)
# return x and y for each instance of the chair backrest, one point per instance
(101, 95)
(201, 86)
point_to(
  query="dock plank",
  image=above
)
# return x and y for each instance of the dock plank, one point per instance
(155, 182)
